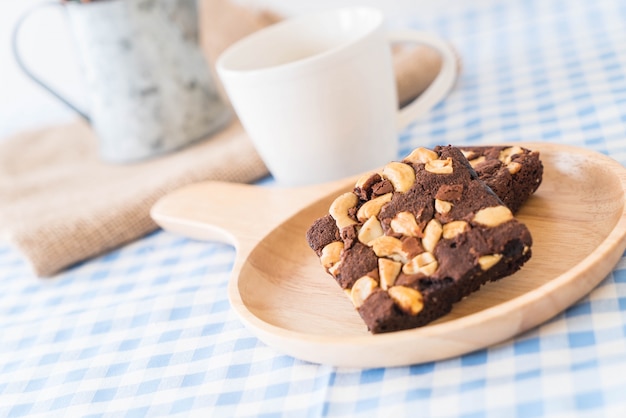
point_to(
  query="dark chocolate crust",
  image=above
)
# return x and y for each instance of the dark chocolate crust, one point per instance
(481, 251)
(321, 233)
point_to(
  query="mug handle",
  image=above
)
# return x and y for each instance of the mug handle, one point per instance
(439, 87)
(18, 58)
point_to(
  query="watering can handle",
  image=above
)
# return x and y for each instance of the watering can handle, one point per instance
(20, 62)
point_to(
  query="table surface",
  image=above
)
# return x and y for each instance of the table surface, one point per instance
(147, 330)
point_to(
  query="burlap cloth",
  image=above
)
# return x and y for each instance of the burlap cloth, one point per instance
(59, 204)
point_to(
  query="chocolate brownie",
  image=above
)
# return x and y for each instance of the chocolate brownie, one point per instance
(416, 237)
(512, 172)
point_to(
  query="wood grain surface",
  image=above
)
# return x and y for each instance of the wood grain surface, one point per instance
(283, 295)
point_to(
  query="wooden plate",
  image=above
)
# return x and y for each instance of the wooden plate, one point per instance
(280, 291)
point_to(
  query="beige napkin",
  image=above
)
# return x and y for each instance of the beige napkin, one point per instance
(59, 204)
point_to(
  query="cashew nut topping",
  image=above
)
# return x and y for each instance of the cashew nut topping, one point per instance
(454, 228)
(400, 175)
(442, 206)
(474, 162)
(339, 209)
(334, 269)
(487, 261)
(408, 299)
(424, 263)
(468, 154)
(432, 234)
(421, 156)
(388, 271)
(331, 253)
(493, 216)
(508, 153)
(361, 181)
(361, 289)
(513, 167)
(370, 230)
(439, 166)
(387, 246)
(404, 223)
(373, 207)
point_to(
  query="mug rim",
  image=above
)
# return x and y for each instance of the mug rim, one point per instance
(233, 52)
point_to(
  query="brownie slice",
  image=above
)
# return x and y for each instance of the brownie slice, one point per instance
(418, 236)
(512, 172)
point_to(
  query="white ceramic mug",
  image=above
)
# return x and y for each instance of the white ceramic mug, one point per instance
(317, 94)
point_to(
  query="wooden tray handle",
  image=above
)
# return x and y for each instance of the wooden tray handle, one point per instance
(234, 213)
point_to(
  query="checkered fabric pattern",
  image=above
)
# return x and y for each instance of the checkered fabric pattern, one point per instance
(147, 329)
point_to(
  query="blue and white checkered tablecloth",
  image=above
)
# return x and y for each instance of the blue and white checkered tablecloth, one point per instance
(147, 330)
